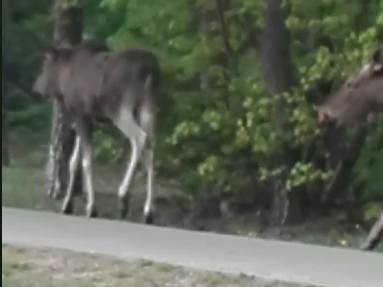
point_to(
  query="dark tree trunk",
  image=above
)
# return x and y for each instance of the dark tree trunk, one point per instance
(274, 50)
(68, 25)
(274, 54)
(67, 30)
(5, 157)
(6, 160)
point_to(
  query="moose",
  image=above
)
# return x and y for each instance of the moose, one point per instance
(95, 84)
(361, 95)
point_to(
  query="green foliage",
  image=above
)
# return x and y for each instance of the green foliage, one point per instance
(217, 126)
(26, 25)
(368, 172)
(372, 211)
(33, 117)
(302, 173)
(341, 39)
(217, 123)
(110, 147)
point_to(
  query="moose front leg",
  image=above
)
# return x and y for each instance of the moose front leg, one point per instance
(85, 132)
(67, 207)
(137, 137)
(148, 207)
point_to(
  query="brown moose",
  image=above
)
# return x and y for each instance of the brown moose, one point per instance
(361, 95)
(93, 84)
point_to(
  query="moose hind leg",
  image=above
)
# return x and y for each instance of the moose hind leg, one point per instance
(67, 207)
(137, 137)
(146, 118)
(148, 206)
(86, 137)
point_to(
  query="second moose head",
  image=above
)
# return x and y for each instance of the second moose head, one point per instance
(361, 94)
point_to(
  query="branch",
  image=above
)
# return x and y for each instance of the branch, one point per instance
(375, 235)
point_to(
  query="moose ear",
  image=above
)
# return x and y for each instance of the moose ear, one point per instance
(51, 53)
(62, 52)
(65, 52)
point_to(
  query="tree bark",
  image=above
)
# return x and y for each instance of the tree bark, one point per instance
(276, 68)
(5, 157)
(67, 30)
(274, 49)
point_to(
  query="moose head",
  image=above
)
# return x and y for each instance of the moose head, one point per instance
(360, 95)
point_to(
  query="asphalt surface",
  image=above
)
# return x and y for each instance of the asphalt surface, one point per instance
(267, 259)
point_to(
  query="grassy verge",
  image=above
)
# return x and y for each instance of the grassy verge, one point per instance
(58, 268)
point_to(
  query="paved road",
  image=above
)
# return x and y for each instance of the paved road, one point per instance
(267, 259)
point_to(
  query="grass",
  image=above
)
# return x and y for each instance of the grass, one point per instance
(23, 182)
(57, 268)
(24, 187)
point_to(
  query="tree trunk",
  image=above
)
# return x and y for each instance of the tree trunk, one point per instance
(276, 68)
(6, 159)
(4, 139)
(274, 49)
(67, 30)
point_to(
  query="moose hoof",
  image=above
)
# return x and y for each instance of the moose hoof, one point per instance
(149, 218)
(124, 207)
(91, 212)
(67, 208)
(123, 211)
(364, 246)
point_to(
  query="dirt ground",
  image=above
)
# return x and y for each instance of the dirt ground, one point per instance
(29, 267)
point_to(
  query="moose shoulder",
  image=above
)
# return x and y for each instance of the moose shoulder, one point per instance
(93, 83)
